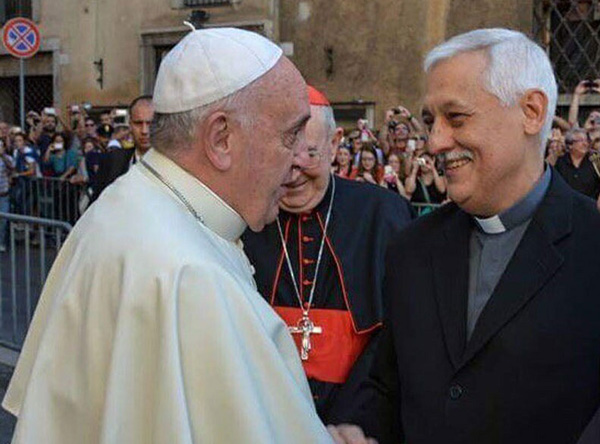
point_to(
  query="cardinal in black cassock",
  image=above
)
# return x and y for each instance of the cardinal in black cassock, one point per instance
(326, 283)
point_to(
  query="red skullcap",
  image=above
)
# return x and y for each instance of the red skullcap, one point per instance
(316, 97)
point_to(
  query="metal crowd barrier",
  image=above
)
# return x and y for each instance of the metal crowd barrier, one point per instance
(32, 244)
(47, 197)
(424, 208)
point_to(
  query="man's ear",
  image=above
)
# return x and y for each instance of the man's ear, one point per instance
(217, 135)
(335, 142)
(534, 104)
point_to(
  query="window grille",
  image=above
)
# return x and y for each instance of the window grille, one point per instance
(569, 30)
(205, 3)
(14, 8)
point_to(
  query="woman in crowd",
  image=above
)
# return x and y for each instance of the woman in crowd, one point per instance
(555, 147)
(26, 158)
(424, 185)
(343, 163)
(63, 162)
(369, 170)
(392, 175)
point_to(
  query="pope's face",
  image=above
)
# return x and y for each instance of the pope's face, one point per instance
(483, 140)
(272, 143)
(309, 187)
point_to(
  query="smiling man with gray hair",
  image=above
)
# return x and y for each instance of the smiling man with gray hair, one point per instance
(150, 328)
(493, 333)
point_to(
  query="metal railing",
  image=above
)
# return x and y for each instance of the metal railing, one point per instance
(48, 198)
(33, 244)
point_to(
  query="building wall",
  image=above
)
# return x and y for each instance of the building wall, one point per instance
(378, 46)
(353, 50)
(84, 31)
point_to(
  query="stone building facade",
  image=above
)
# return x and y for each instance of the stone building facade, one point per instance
(365, 55)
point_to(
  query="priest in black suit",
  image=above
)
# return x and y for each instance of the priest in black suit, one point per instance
(493, 333)
(116, 162)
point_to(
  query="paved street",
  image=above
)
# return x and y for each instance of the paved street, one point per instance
(7, 421)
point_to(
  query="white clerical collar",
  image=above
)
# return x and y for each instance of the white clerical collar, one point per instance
(491, 225)
(519, 212)
(217, 215)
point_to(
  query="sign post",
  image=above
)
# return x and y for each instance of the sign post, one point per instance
(21, 38)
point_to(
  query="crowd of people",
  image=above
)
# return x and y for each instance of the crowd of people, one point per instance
(67, 151)
(394, 157)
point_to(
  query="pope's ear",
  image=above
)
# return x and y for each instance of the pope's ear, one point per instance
(217, 140)
(534, 104)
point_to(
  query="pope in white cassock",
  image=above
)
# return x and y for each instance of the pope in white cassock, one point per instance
(150, 328)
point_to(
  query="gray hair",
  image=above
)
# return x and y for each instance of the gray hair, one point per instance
(516, 64)
(572, 132)
(176, 131)
(328, 121)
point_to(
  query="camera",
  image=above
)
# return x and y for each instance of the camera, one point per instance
(421, 161)
(121, 116)
(590, 83)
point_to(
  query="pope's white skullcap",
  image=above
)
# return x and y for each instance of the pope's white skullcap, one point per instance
(210, 64)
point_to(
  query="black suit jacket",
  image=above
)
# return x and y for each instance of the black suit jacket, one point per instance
(530, 372)
(112, 165)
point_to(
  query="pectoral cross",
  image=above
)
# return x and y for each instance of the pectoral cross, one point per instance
(305, 327)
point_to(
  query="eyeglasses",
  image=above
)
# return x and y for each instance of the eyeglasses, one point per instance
(90, 124)
(309, 158)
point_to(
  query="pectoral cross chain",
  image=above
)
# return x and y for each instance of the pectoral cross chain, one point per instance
(305, 327)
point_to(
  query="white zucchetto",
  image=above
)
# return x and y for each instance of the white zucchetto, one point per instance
(210, 64)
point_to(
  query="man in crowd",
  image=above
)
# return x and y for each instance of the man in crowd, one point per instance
(117, 162)
(48, 130)
(150, 328)
(493, 333)
(90, 127)
(104, 134)
(576, 167)
(106, 118)
(327, 250)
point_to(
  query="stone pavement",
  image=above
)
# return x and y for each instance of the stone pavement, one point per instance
(7, 421)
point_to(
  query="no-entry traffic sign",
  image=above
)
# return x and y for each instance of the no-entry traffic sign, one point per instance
(21, 37)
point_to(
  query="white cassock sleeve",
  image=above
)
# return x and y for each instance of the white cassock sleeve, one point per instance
(182, 356)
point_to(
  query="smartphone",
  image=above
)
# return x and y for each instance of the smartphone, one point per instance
(411, 144)
(50, 111)
(75, 108)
